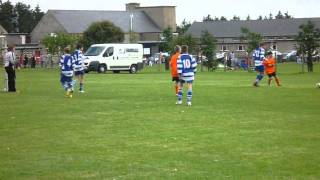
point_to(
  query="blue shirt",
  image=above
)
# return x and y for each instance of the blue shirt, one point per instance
(66, 65)
(79, 60)
(186, 66)
(258, 56)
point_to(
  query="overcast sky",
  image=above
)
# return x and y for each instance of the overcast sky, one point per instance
(195, 10)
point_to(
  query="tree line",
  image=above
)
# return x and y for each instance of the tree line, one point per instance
(280, 15)
(19, 17)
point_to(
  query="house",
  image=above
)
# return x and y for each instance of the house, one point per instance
(279, 33)
(147, 23)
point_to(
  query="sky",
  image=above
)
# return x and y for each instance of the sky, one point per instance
(194, 10)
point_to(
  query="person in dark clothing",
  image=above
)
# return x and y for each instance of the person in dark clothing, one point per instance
(25, 62)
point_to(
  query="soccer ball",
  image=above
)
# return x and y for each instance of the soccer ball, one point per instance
(318, 85)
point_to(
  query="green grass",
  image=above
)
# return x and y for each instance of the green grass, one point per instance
(127, 126)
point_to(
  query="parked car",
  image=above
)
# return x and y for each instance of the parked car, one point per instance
(156, 57)
(290, 56)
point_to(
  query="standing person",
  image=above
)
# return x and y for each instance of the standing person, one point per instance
(79, 66)
(26, 61)
(187, 66)
(174, 70)
(66, 65)
(258, 57)
(9, 63)
(270, 66)
(33, 61)
(21, 60)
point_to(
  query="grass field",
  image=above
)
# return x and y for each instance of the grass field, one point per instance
(127, 126)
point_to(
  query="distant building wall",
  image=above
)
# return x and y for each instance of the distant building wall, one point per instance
(149, 37)
(162, 16)
(16, 38)
(47, 25)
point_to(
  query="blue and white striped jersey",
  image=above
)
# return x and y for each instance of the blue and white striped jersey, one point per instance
(66, 64)
(186, 66)
(258, 56)
(78, 60)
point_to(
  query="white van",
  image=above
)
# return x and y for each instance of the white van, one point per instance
(114, 57)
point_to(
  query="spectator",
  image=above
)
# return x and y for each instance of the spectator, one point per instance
(9, 63)
(26, 61)
(33, 62)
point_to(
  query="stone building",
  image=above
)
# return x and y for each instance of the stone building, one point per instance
(145, 23)
(279, 33)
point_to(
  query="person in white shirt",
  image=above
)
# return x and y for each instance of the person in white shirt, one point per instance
(9, 62)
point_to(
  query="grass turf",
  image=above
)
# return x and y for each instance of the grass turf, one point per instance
(127, 126)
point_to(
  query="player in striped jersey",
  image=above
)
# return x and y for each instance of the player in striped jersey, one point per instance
(187, 66)
(258, 57)
(79, 66)
(66, 65)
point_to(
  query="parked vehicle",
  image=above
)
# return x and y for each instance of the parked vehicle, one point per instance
(290, 56)
(156, 57)
(114, 57)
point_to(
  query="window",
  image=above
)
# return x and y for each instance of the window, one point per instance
(241, 48)
(224, 48)
(108, 52)
(132, 50)
(94, 51)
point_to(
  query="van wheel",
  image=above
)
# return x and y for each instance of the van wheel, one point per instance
(102, 69)
(116, 71)
(133, 69)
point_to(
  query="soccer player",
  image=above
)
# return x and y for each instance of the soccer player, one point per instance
(187, 66)
(79, 66)
(270, 66)
(258, 57)
(66, 65)
(173, 65)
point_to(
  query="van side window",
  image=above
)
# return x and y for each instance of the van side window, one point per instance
(132, 50)
(108, 52)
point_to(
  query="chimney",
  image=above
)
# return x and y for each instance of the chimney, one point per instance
(132, 6)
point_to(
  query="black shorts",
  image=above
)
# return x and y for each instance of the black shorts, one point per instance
(272, 74)
(176, 79)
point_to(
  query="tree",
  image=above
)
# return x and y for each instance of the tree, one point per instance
(208, 46)
(6, 15)
(308, 41)
(207, 18)
(26, 19)
(188, 40)
(287, 16)
(58, 42)
(102, 32)
(222, 18)
(37, 15)
(253, 39)
(183, 27)
(270, 16)
(248, 18)
(260, 18)
(236, 18)
(279, 15)
(167, 40)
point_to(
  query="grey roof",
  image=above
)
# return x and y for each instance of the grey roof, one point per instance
(267, 28)
(77, 21)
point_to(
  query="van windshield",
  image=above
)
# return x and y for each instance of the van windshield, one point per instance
(94, 51)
